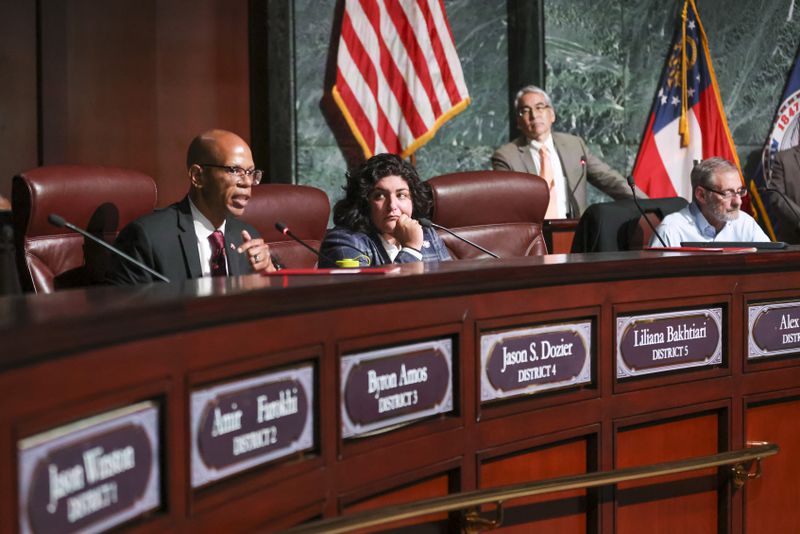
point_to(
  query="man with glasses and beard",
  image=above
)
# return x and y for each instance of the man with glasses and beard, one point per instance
(200, 235)
(714, 213)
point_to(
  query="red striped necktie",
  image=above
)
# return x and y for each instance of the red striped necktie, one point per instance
(219, 266)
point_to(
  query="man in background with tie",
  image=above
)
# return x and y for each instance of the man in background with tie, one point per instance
(561, 159)
(200, 235)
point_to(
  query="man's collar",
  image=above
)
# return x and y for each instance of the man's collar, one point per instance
(705, 227)
(536, 145)
(202, 220)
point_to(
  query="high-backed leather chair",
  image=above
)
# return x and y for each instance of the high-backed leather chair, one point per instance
(618, 225)
(101, 200)
(502, 211)
(303, 209)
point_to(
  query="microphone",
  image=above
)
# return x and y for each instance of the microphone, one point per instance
(282, 228)
(575, 187)
(583, 174)
(59, 221)
(427, 223)
(632, 185)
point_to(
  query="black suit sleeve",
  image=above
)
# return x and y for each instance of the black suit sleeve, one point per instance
(133, 241)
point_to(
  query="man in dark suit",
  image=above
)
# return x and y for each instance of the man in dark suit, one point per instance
(785, 177)
(200, 235)
(562, 152)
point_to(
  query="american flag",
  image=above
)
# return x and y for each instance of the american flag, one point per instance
(687, 121)
(398, 74)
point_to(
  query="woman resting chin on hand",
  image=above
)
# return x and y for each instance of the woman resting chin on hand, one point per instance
(376, 222)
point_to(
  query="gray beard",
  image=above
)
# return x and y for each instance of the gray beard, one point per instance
(726, 216)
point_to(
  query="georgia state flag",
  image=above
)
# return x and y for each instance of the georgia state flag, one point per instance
(687, 121)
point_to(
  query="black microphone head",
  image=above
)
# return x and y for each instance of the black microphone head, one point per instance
(630, 181)
(425, 222)
(56, 220)
(282, 228)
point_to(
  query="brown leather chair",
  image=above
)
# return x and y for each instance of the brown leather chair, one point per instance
(502, 211)
(101, 200)
(303, 209)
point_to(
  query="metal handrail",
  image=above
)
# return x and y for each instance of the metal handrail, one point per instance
(472, 499)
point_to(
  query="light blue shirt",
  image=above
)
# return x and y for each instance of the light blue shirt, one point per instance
(689, 224)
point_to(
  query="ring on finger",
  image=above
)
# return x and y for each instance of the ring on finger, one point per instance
(257, 257)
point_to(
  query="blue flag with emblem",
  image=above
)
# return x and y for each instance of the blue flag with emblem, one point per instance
(785, 134)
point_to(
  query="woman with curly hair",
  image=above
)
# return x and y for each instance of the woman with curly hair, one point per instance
(376, 220)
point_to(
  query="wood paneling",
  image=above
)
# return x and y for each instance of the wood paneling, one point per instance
(558, 512)
(129, 83)
(427, 489)
(79, 353)
(17, 91)
(676, 503)
(771, 502)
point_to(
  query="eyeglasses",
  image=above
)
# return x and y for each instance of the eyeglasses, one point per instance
(254, 174)
(730, 193)
(526, 111)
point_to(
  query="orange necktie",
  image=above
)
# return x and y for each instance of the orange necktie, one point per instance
(546, 170)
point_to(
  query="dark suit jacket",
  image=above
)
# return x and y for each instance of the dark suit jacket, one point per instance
(785, 178)
(166, 242)
(342, 243)
(516, 156)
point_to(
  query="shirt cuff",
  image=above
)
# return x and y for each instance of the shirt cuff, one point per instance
(414, 252)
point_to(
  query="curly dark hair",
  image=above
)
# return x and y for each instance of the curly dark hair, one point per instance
(353, 210)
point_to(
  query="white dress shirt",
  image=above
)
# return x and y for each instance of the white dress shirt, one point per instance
(202, 229)
(558, 172)
(689, 224)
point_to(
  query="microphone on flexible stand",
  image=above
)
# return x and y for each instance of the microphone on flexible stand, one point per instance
(583, 174)
(632, 185)
(59, 221)
(282, 228)
(575, 187)
(427, 223)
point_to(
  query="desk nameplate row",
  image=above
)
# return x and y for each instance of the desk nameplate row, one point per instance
(102, 471)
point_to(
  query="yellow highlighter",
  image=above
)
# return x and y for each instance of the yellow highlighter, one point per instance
(347, 263)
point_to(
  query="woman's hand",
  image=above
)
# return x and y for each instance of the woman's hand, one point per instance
(408, 232)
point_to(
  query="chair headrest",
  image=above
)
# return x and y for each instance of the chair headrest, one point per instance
(304, 209)
(488, 197)
(88, 196)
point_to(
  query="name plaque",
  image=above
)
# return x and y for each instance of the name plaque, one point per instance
(385, 388)
(661, 342)
(91, 475)
(773, 329)
(526, 361)
(244, 423)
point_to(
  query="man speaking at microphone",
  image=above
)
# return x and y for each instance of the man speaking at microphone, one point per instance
(200, 235)
(561, 159)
